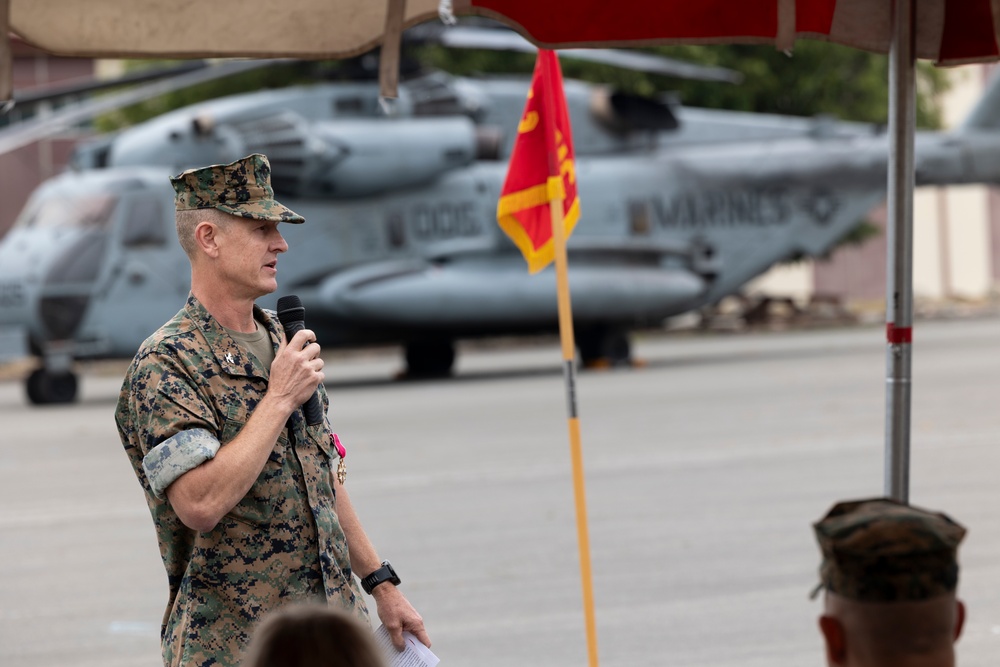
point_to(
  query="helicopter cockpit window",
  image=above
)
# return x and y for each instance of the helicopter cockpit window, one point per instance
(144, 223)
(83, 212)
(349, 105)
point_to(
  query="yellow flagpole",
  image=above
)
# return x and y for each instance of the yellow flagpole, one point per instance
(576, 451)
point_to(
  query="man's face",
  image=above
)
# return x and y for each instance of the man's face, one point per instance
(248, 256)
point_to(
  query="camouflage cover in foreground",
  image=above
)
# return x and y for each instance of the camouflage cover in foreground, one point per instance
(879, 550)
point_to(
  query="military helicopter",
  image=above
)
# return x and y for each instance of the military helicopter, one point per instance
(679, 208)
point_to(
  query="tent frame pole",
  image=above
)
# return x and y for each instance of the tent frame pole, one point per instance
(899, 261)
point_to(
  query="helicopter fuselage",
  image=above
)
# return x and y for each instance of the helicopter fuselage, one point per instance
(401, 243)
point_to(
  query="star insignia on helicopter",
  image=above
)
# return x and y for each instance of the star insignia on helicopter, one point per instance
(821, 205)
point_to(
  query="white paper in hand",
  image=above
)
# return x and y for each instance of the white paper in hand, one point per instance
(414, 655)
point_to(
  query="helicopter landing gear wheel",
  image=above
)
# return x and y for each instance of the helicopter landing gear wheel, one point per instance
(604, 347)
(45, 387)
(429, 358)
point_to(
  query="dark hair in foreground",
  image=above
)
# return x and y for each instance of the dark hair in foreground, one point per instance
(312, 636)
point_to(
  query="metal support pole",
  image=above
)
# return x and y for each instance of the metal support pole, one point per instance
(899, 277)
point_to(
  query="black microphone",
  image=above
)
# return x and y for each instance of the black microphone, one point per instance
(292, 316)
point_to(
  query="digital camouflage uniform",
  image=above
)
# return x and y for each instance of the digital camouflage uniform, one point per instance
(189, 391)
(190, 388)
(880, 550)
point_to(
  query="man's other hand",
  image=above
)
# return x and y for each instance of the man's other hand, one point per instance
(397, 615)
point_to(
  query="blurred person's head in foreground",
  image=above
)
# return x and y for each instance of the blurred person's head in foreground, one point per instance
(309, 635)
(889, 574)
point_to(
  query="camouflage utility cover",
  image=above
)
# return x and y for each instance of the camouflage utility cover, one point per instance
(241, 188)
(190, 390)
(880, 550)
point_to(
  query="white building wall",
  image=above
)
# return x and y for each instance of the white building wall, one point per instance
(968, 230)
(951, 225)
(928, 267)
(785, 280)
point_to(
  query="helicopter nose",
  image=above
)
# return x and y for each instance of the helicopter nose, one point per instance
(47, 278)
(17, 274)
(18, 283)
(69, 283)
(14, 312)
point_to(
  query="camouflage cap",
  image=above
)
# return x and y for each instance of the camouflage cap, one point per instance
(241, 188)
(880, 550)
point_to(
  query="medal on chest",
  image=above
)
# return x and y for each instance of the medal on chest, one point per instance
(341, 452)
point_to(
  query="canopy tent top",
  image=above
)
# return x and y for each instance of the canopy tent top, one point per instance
(948, 32)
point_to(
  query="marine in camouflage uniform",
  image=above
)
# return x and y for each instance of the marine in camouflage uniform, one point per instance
(890, 572)
(187, 395)
(190, 390)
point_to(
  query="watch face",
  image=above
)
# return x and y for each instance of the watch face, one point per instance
(381, 575)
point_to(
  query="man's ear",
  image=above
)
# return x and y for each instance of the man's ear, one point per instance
(959, 618)
(835, 639)
(205, 235)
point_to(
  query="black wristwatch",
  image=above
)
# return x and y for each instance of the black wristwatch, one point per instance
(380, 576)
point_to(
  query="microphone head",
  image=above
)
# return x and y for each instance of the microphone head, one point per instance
(290, 310)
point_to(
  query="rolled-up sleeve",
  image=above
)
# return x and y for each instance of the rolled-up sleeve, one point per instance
(171, 422)
(176, 455)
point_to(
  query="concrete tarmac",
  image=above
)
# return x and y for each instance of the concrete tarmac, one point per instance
(704, 472)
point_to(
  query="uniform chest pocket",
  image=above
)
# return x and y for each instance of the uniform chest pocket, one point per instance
(257, 506)
(324, 441)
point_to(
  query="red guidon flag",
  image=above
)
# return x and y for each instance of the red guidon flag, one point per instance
(541, 168)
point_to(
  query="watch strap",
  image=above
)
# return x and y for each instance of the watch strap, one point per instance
(380, 576)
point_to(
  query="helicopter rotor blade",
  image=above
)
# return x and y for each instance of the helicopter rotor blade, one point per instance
(645, 62)
(508, 40)
(43, 126)
(76, 88)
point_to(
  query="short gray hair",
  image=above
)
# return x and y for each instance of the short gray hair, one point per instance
(187, 221)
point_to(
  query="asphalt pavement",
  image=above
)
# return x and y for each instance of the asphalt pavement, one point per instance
(704, 470)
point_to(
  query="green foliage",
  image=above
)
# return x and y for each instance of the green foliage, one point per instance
(462, 62)
(817, 78)
(858, 235)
